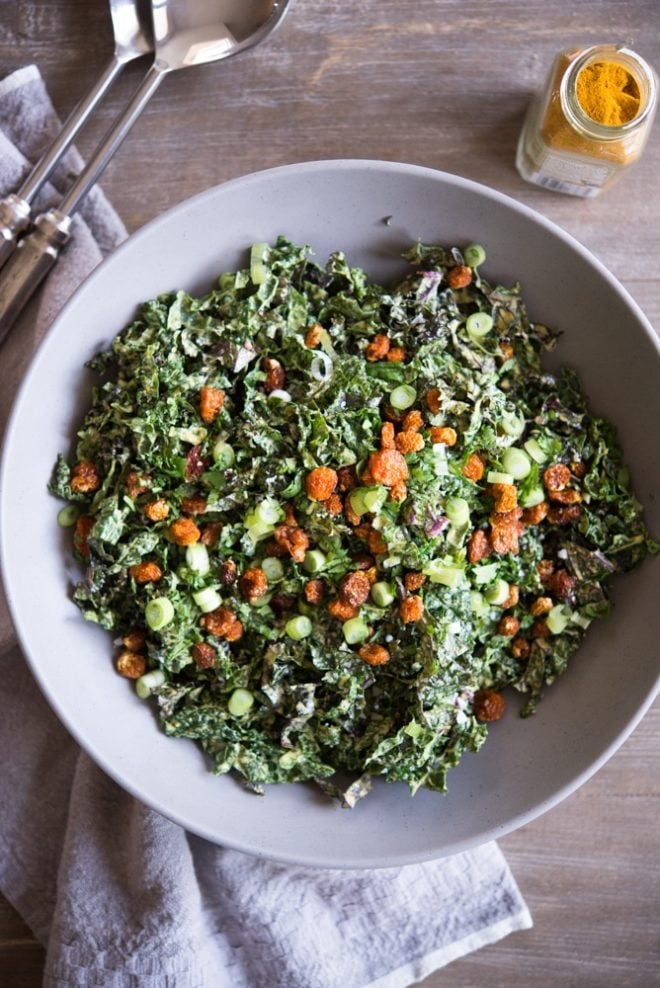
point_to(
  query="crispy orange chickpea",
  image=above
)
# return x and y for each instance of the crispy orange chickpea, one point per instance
(347, 479)
(194, 505)
(561, 584)
(556, 477)
(413, 581)
(333, 505)
(378, 348)
(564, 516)
(146, 572)
(434, 400)
(211, 401)
(506, 350)
(520, 649)
(396, 355)
(184, 531)
(540, 629)
(354, 588)
(228, 573)
(413, 421)
(275, 374)
(341, 610)
(508, 626)
(535, 514)
(321, 483)
(488, 706)
(85, 478)
(479, 546)
(443, 434)
(568, 496)
(504, 538)
(374, 655)
(474, 467)
(388, 467)
(459, 276)
(81, 533)
(253, 583)
(411, 609)
(505, 497)
(409, 441)
(210, 534)
(578, 469)
(545, 568)
(134, 640)
(387, 440)
(136, 483)
(219, 621)
(541, 606)
(314, 591)
(398, 492)
(157, 510)
(204, 655)
(131, 665)
(234, 632)
(313, 335)
(293, 539)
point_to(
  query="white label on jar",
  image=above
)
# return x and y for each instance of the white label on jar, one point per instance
(562, 171)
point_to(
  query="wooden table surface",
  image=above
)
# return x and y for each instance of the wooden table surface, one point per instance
(442, 83)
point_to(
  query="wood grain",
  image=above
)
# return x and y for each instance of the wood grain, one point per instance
(445, 84)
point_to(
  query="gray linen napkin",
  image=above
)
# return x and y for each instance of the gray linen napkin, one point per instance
(121, 896)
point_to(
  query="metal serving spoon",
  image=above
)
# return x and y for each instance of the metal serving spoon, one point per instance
(186, 33)
(133, 35)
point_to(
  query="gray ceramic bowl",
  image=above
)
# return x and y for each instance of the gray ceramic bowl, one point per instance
(526, 766)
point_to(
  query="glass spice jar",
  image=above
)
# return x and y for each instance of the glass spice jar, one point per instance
(564, 148)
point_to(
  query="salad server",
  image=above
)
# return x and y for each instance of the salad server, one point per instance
(133, 36)
(186, 33)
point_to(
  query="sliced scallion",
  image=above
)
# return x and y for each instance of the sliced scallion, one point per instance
(158, 613)
(298, 627)
(497, 593)
(535, 451)
(240, 702)
(383, 594)
(403, 397)
(273, 568)
(68, 516)
(498, 477)
(516, 462)
(458, 511)
(355, 630)
(478, 325)
(474, 255)
(223, 454)
(145, 685)
(207, 599)
(314, 561)
(197, 558)
(258, 257)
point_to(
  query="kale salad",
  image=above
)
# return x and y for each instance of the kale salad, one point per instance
(330, 522)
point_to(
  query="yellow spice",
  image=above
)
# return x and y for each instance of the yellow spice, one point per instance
(608, 93)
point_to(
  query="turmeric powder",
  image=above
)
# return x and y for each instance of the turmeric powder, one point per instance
(608, 93)
(559, 133)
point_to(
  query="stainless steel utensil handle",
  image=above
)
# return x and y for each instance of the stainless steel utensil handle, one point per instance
(15, 209)
(36, 254)
(114, 137)
(30, 263)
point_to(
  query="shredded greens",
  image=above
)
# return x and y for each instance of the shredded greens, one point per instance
(253, 456)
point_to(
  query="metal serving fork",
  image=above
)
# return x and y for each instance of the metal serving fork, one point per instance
(133, 34)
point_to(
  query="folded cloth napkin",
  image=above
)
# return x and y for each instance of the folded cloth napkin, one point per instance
(121, 896)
